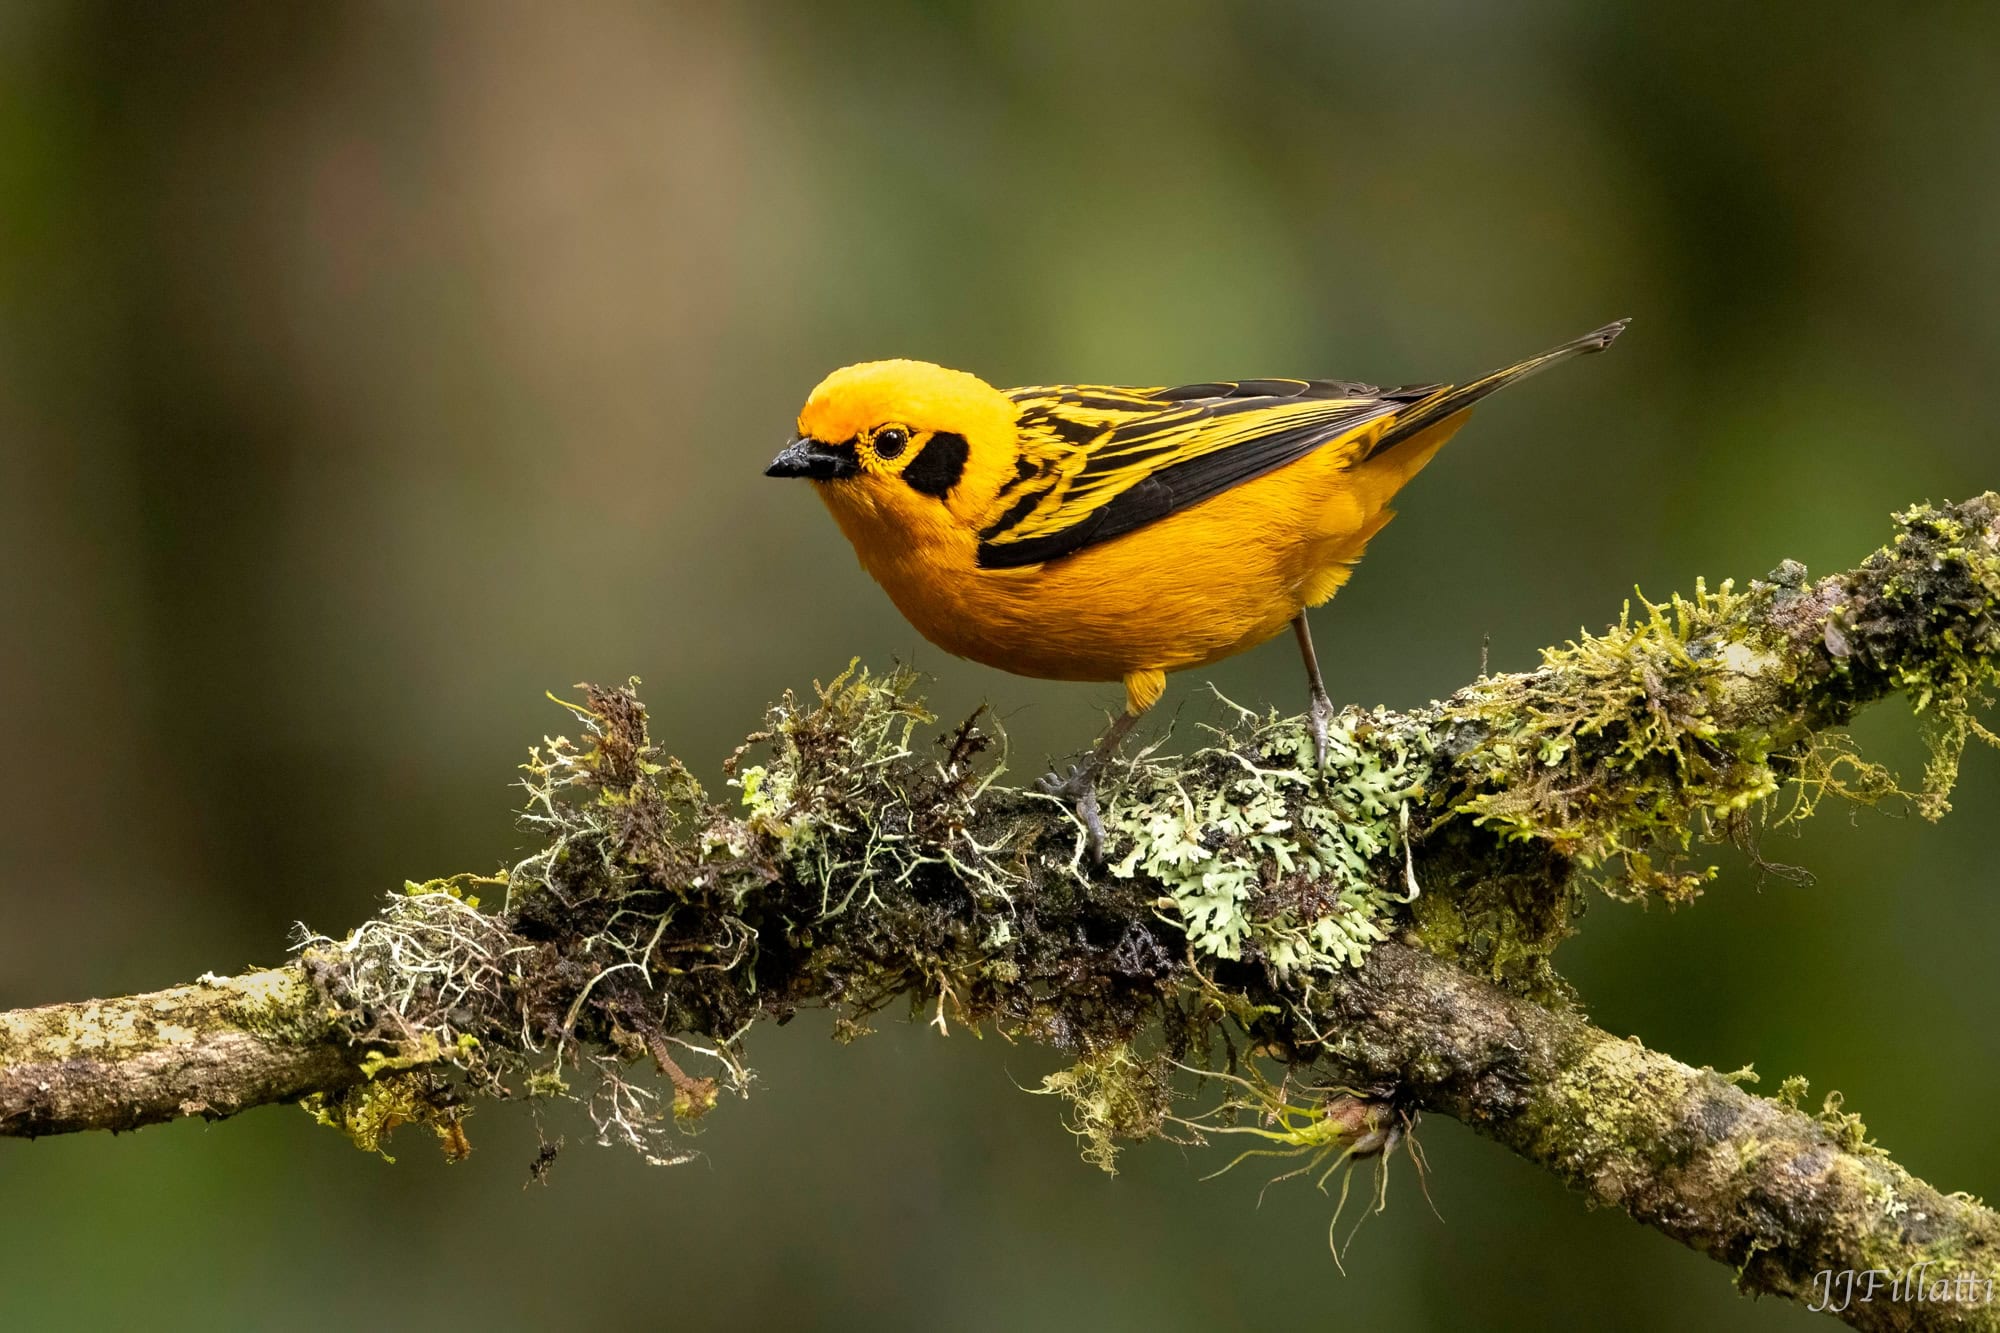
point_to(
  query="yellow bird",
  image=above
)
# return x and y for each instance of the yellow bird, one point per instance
(1083, 532)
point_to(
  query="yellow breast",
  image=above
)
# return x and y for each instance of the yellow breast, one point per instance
(1199, 585)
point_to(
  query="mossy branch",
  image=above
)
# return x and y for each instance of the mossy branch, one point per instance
(1327, 952)
(212, 1049)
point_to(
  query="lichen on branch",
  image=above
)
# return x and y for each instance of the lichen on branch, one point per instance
(210, 1049)
(859, 865)
(1326, 937)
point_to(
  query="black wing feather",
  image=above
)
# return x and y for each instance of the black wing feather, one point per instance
(1165, 492)
(1161, 413)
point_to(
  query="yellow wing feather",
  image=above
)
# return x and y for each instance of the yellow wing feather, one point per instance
(1095, 461)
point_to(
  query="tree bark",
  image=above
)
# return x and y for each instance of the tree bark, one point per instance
(211, 1049)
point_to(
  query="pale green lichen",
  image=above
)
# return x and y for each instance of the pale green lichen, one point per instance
(430, 968)
(1272, 859)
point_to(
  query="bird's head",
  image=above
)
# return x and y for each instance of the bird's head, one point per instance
(903, 446)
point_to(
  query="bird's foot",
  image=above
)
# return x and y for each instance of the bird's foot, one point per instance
(1081, 787)
(1318, 715)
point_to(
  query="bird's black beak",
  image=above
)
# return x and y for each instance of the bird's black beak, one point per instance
(805, 457)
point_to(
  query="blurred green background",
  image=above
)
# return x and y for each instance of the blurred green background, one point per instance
(368, 369)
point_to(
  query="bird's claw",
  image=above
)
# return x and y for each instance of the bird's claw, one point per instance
(1319, 715)
(1048, 784)
(1081, 787)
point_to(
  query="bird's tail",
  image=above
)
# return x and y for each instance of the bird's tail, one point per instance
(1455, 398)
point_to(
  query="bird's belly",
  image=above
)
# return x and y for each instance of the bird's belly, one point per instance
(1083, 629)
(1191, 589)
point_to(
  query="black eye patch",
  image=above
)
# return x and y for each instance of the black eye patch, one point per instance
(938, 465)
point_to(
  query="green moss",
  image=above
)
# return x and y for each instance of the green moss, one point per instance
(1627, 747)
(369, 1112)
(280, 1004)
(1113, 1094)
(1616, 1112)
(1618, 752)
(1923, 618)
(1505, 925)
(1845, 1126)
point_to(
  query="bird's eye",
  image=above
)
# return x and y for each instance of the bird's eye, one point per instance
(891, 441)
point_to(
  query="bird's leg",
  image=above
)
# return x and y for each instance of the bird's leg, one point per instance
(1320, 712)
(1142, 690)
(1081, 784)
